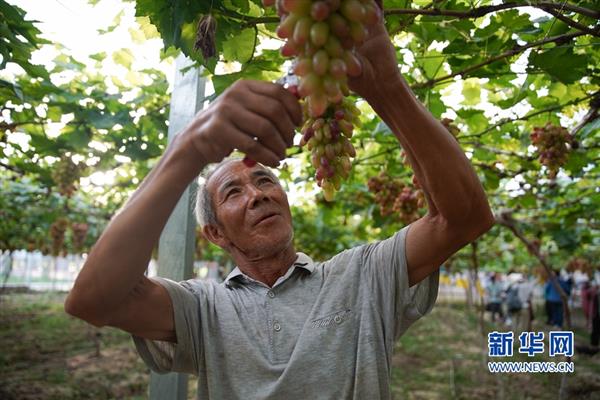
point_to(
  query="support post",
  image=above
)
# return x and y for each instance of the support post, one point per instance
(176, 245)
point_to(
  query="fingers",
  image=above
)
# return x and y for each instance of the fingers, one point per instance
(268, 137)
(273, 111)
(255, 150)
(278, 92)
(257, 118)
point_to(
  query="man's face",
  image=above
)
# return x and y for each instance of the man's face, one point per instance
(251, 208)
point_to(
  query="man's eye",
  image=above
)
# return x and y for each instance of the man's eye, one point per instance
(265, 180)
(231, 192)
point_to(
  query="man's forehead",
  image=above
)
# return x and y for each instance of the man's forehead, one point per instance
(233, 170)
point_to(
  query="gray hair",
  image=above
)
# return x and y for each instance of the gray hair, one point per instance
(204, 207)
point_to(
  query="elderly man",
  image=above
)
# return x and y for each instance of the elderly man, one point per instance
(281, 326)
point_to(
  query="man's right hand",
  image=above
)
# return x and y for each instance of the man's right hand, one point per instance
(255, 117)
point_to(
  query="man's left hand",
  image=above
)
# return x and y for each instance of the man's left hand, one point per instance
(379, 64)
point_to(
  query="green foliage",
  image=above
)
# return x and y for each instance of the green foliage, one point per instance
(18, 39)
(497, 73)
(71, 109)
(27, 210)
(499, 82)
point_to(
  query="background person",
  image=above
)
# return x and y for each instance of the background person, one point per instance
(494, 298)
(555, 305)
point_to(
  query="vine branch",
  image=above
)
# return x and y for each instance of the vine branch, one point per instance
(12, 168)
(518, 49)
(528, 116)
(506, 219)
(591, 115)
(574, 24)
(483, 10)
(472, 13)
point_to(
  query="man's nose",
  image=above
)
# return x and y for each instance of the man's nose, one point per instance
(256, 195)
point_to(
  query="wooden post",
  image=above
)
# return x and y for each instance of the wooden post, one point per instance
(176, 245)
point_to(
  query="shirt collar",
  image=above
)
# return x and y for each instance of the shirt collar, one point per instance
(302, 261)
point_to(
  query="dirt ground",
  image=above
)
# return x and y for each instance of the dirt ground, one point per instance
(46, 354)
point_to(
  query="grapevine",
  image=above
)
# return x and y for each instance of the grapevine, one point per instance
(323, 35)
(553, 144)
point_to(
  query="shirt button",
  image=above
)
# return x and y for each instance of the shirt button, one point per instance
(276, 327)
(337, 319)
(270, 294)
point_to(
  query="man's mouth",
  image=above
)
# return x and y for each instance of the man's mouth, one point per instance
(266, 217)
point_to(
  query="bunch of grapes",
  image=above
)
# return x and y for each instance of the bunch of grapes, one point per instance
(393, 195)
(57, 233)
(79, 233)
(449, 125)
(328, 140)
(407, 204)
(386, 189)
(322, 35)
(553, 144)
(66, 175)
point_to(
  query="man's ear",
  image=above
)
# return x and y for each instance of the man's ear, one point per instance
(216, 236)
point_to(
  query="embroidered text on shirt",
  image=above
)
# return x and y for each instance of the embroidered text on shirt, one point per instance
(336, 318)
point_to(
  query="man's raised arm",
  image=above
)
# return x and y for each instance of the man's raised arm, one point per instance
(458, 210)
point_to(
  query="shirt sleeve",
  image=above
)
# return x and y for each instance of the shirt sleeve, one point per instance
(387, 274)
(183, 356)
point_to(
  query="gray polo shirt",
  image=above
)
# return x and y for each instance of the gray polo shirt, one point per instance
(325, 330)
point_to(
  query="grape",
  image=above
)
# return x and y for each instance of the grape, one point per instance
(337, 68)
(317, 104)
(248, 162)
(300, 7)
(289, 49)
(319, 33)
(352, 64)
(303, 67)
(353, 10)
(286, 28)
(333, 4)
(358, 32)
(302, 30)
(339, 26)
(331, 86)
(309, 85)
(323, 36)
(319, 11)
(320, 62)
(372, 14)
